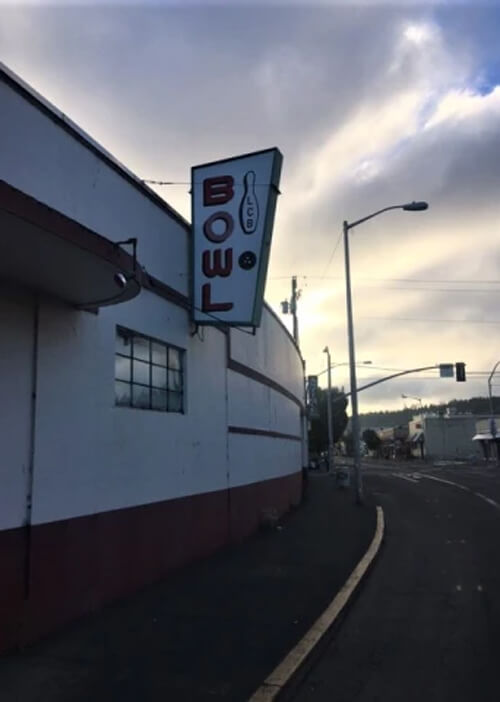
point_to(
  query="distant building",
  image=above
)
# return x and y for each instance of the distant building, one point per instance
(487, 437)
(394, 441)
(448, 437)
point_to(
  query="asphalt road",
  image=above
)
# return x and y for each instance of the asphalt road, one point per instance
(426, 625)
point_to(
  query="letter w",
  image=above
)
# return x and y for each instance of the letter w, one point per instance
(211, 269)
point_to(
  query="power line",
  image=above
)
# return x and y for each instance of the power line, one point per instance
(396, 280)
(447, 290)
(331, 257)
(488, 291)
(440, 321)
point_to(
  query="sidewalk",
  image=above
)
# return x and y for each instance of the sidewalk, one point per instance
(213, 631)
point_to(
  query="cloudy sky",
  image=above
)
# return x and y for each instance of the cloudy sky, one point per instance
(371, 105)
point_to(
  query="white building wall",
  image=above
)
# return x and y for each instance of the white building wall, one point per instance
(43, 160)
(91, 456)
(271, 353)
(252, 404)
(261, 457)
(16, 385)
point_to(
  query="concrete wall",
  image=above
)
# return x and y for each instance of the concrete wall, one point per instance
(16, 386)
(450, 437)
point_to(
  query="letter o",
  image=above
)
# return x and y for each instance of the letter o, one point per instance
(211, 235)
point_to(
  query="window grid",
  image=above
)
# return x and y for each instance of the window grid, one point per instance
(167, 396)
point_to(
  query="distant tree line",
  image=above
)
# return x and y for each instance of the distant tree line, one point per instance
(474, 405)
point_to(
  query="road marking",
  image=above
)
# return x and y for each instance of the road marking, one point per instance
(465, 488)
(404, 477)
(488, 500)
(276, 681)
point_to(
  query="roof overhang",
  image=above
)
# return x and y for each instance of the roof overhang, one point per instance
(47, 252)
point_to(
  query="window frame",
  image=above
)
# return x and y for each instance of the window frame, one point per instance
(177, 368)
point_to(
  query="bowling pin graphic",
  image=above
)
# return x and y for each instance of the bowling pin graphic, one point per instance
(249, 207)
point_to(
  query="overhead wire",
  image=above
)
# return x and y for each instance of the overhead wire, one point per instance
(331, 257)
(396, 280)
(439, 321)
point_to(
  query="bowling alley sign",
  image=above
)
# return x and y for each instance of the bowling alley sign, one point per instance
(233, 204)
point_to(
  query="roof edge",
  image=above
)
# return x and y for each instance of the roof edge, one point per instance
(41, 103)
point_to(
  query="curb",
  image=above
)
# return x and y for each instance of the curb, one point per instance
(274, 684)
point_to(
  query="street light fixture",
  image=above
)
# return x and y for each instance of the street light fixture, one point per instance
(408, 207)
(412, 397)
(415, 206)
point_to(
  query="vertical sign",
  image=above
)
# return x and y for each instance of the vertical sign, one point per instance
(233, 205)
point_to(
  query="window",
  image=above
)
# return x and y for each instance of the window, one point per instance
(148, 373)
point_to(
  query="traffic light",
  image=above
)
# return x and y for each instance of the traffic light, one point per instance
(460, 372)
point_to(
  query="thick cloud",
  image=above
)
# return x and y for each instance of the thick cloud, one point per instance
(371, 105)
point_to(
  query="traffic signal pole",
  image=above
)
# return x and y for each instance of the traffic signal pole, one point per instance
(405, 372)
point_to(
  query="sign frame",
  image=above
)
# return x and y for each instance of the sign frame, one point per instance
(200, 317)
(446, 370)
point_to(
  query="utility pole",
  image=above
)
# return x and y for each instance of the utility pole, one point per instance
(331, 447)
(291, 307)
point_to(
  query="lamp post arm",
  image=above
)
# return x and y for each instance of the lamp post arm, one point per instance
(336, 365)
(350, 225)
(333, 365)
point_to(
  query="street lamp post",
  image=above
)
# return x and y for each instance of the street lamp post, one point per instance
(331, 442)
(493, 427)
(409, 207)
(490, 395)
